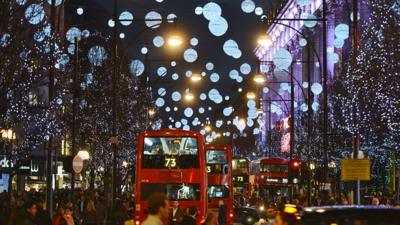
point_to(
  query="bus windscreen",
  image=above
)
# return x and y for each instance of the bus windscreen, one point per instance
(217, 191)
(274, 168)
(240, 166)
(179, 192)
(170, 153)
(216, 157)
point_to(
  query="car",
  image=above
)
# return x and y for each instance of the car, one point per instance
(244, 215)
(350, 215)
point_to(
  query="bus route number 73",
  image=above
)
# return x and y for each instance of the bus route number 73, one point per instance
(170, 162)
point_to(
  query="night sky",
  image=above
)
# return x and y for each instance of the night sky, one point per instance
(234, 71)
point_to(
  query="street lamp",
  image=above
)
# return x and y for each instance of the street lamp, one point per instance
(264, 40)
(196, 77)
(259, 79)
(250, 95)
(175, 40)
(152, 112)
(84, 154)
(207, 128)
(189, 96)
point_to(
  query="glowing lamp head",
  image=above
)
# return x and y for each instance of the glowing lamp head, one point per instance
(152, 112)
(175, 40)
(251, 95)
(265, 40)
(84, 154)
(259, 79)
(189, 96)
(195, 77)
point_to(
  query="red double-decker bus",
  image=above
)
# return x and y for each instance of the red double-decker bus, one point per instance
(219, 173)
(171, 162)
(240, 176)
(273, 178)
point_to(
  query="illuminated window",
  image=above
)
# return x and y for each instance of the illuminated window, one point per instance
(65, 147)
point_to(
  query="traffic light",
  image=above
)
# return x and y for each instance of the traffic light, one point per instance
(294, 167)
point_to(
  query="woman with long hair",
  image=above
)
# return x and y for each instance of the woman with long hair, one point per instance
(211, 219)
(89, 215)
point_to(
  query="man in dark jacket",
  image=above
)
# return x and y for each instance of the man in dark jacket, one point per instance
(221, 213)
(42, 216)
(176, 214)
(28, 215)
(190, 219)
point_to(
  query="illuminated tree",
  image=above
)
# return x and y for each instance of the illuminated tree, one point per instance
(368, 92)
(24, 67)
(94, 114)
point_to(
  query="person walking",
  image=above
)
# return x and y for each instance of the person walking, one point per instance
(176, 215)
(28, 215)
(222, 211)
(101, 211)
(375, 201)
(42, 215)
(68, 216)
(211, 219)
(190, 219)
(157, 208)
(59, 217)
(89, 215)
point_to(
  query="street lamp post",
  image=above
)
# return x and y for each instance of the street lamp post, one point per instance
(114, 108)
(174, 40)
(50, 143)
(266, 43)
(75, 90)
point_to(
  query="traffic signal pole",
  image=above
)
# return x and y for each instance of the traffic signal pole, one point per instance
(357, 185)
(292, 130)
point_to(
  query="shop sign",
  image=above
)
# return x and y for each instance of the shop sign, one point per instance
(28, 167)
(37, 168)
(5, 163)
(25, 168)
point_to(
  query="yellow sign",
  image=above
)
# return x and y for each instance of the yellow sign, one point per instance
(356, 169)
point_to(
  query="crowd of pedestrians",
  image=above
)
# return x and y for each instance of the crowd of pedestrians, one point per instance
(90, 208)
(87, 208)
(324, 198)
